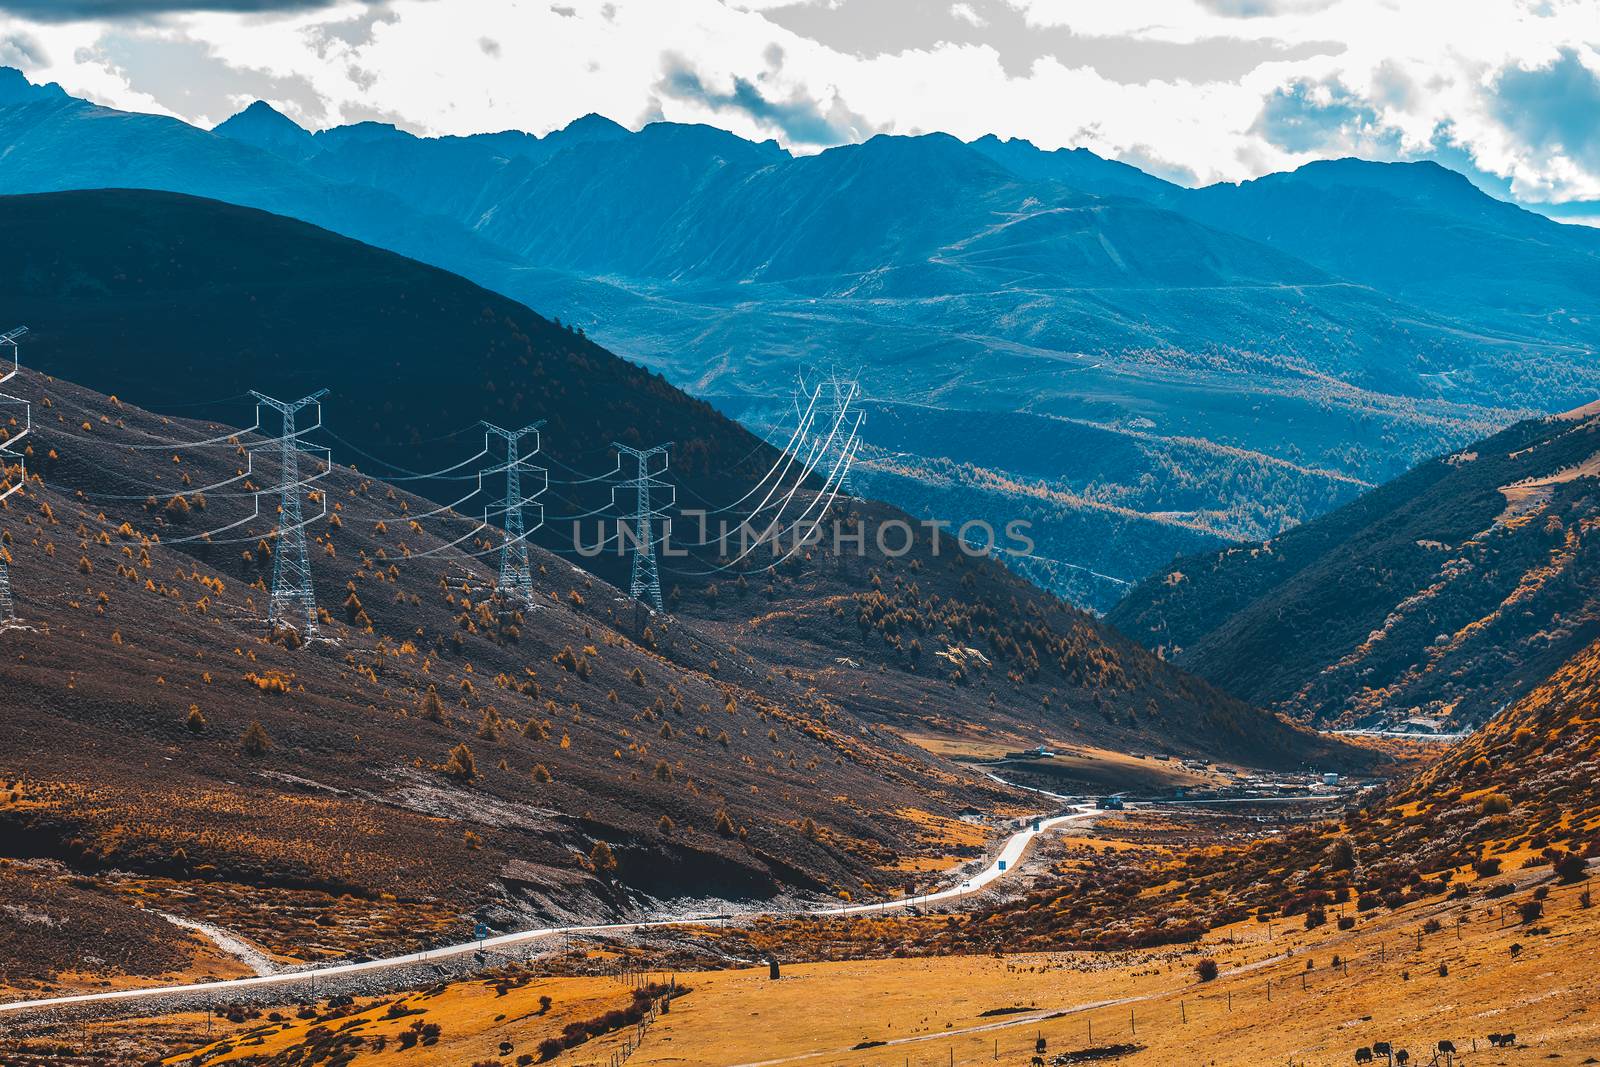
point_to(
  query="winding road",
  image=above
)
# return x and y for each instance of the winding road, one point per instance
(1003, 864)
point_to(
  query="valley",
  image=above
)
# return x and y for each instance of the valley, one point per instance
(1252, 374)
(651, 595)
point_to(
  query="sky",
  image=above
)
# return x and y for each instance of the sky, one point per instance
(1197, 91)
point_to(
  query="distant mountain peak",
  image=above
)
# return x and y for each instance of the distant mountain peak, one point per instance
(264, 126)
(594, 126)
(1079, 168)
(15, 88)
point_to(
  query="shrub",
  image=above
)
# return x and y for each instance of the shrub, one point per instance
(255, 741)
(460, 765)
(432, 706)
(541, 774)
(1570, 867)
(1206, 970)
(1341, 855)
(1495, 804)
(196, 722)
(601, 858)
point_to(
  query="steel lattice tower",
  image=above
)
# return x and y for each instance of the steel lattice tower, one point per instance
(294, 598)
(836, 398)
(516, 572)
(645, 583)
(9, 458)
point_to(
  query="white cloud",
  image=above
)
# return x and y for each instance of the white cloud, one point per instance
(965, 13)
(1254, 85)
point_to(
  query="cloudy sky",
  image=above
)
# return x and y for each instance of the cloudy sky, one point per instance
(1194, 90)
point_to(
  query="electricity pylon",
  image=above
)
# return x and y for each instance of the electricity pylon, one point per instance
(836, 396)
(8, 454)
(645, 583)
(294, 598)
(516, 572)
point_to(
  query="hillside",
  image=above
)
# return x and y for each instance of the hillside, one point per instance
(683, 741)
(1424, 234)
(146, 649)
(121, 284)
(986, 279)
(1447, 593)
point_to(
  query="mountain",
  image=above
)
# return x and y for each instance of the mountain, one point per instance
(135, 289)
(1426, 235)
(985, 279)
(1447, 593)
(1078, 168)
(264, 127)
(16, 90)
(683, 741)
(1511, 808)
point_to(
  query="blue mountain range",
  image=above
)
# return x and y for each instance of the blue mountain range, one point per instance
(1139, 368)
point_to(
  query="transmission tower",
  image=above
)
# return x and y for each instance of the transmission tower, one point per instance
(645, 583)
(294, 599)
(516, 572)
(20, 412)
(836, 396)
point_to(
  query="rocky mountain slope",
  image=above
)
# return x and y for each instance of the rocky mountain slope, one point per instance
(1447, 593)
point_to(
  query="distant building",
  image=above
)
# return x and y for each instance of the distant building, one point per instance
(1330, 778)
(1109, 804)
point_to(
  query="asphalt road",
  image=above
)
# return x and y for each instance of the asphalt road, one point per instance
(1003, 864)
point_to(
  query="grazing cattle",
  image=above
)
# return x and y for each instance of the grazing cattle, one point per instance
(1363, 1055)
(1446, 1048)
(1402, 1057)
(1502, 1040)
(1038, 1061)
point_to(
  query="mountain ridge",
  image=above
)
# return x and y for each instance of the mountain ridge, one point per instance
(1445, 594)
(727, 265)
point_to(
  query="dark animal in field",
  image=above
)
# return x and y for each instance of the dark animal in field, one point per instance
(1402, 1057)
(1502, 1040)
(1363, 1055)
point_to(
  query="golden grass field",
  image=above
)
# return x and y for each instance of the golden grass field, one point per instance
(927, 1012)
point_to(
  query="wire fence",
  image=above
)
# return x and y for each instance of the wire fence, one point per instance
(1110, 1029)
